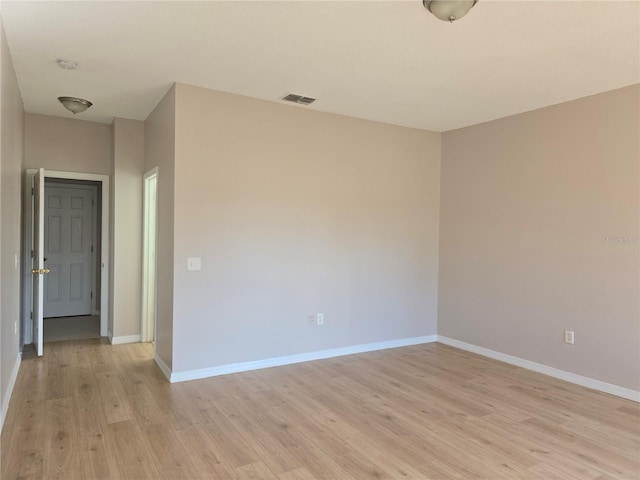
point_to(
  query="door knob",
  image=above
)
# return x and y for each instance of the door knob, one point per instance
(40, 271)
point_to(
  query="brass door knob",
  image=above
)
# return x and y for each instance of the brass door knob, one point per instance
(40, 271)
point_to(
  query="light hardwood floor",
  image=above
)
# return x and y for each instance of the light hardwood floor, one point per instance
(91, 410)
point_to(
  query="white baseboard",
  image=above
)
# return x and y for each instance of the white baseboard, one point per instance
(290, 359)
(163, 366)
(124, 339)
(623, 392)
(7, 395)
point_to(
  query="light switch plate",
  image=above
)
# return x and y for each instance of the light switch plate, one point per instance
(194, 263)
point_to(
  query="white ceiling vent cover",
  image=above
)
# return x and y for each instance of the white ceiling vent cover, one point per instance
(292, 97)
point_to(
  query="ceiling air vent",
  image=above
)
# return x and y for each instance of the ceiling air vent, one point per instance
(292, 97)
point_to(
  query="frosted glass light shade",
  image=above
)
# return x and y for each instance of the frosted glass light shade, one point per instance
(75, 105)
(449, 10)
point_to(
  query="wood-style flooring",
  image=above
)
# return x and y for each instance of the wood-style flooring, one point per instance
(90, 410)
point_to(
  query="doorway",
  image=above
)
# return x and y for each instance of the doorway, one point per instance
(90, 290)
(71, 245)
(149, 258)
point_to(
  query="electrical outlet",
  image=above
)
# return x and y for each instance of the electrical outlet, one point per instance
(194, 263)
(320, 318)
(569, 337)
(312, 320)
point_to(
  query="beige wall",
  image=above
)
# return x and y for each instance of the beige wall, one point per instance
(11, 142)
(67, 144)
(540, 232)
(296, 212)
(126, 229)
(159, 140)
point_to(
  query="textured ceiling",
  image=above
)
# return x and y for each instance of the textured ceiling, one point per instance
(389, 61)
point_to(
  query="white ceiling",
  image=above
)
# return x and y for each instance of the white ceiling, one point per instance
(389, 61)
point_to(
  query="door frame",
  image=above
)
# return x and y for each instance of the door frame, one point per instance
(27, 299)
(147, 330)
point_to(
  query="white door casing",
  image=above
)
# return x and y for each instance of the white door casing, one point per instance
(69, 250)
(149, 258)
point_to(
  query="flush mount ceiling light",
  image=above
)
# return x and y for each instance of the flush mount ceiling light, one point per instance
(449, 10)
(75, 105)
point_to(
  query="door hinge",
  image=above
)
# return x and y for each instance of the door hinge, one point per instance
(91, 248)
(32, 192)
(31, 253)
(31, 315)
(91, 294)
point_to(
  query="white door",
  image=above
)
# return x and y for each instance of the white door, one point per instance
(38, 269)
(69, 250)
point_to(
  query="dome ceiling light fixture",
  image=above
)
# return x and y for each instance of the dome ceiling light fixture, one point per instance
(75, 105)
(449, 10)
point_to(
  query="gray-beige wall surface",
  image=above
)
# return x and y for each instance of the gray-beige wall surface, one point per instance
(11, 149)
(540, 233)
(293, 213)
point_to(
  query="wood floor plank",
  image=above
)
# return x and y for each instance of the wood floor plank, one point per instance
(298, 474)
(224, 439)
(61, 458)
(168, 453)
(23, 443)
(255, 471)
(207, 461)
(97, 459)
(545, 471)
(262, 439)
(114, 401)
(131, 451)
(91, 410)
(88, 401)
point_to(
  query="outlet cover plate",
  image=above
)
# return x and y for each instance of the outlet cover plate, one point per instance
(194, 263)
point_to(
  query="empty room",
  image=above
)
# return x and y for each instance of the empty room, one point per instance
(320, 240)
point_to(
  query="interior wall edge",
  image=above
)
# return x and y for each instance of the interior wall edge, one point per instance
(164, 368)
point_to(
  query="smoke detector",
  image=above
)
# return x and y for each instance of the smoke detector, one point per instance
(67, 64)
